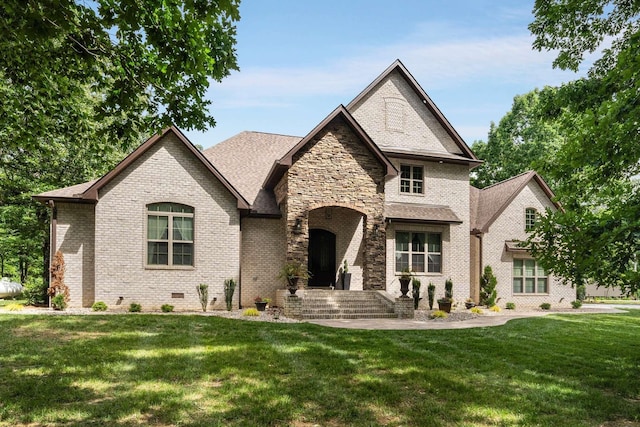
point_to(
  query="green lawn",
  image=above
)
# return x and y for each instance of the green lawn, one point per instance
(121, 370)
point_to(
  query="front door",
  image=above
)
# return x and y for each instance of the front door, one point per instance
(322, 257)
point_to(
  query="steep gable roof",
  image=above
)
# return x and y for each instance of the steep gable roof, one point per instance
(487, 204)
(282, 165)
(429, 104)
(88, 192)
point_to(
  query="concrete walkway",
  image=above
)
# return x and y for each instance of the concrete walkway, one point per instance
(481, 321)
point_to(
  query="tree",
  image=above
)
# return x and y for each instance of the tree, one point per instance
(523, 140)
(488, 283)
(596, 237)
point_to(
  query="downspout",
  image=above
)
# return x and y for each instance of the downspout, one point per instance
(240, 263)
(53, 231)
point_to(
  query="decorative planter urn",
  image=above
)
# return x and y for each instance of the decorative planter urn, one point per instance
(404, 286)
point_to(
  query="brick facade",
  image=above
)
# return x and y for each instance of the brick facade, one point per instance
(167, 172)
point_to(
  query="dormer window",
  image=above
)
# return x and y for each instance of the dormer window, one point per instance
(530, 219)
(411, 179)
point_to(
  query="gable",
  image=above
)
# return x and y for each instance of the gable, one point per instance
(399, 116)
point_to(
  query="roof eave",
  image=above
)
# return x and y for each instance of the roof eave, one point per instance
(422, 221)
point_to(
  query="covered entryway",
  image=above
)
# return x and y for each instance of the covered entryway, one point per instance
(322, 258)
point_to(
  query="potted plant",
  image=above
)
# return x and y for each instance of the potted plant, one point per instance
(444, 304)
(261, 303)
(346, 276)
(405, 279)
(291, 273)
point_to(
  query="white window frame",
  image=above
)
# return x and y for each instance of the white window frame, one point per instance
(170, 215)
(411, 181)
(530, 217)
(411, 252)
(538, 274)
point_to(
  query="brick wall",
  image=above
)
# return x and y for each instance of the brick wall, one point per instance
(263, 253)
(420, 129)
(75, 239)
(167, 172)
(337, 169)
(510, 225)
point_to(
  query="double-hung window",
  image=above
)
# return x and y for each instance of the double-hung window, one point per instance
(411, 179)
(530, 218)
(529, 277)
(169, 234)
(419, 252)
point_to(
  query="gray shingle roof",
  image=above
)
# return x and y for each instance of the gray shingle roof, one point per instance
(414, 212)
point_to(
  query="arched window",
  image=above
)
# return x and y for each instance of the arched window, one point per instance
(530, 218)
(169, 234)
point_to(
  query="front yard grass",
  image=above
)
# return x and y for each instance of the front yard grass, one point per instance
(560, 370)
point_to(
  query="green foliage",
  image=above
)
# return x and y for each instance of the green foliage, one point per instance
(545, 306)
(581, 292)
(166, 308)
(595, 238)
(416, 292)
(448, 289)
(292, 271)
(99, 306)
(203, 295)
(438, 314)
(134, 307)
(251, 312)
(431, 291)
(488, 284)
(35, 292)
(510, 306)
(58, 302)
(524, 139)
(229, 289)
(576, 304)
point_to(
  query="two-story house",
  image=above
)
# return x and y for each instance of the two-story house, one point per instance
(381, 183)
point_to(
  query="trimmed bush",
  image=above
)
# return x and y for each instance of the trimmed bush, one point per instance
(510, 306)
(99, 306)
(203, 295)
(545, 306)
(576, 304)
(58, 302)
(166, 308)
(488, 283)
(431, 290)
(135, 308)
(438, 314)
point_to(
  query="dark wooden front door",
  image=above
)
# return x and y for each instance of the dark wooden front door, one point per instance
(322, 257)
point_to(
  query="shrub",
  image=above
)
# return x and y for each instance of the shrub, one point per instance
(14, 306)
(510, 306)
(545, 306)
(576, 304)
(476, 310)
(35, 292)
(99, 306)
(416, 293)
(431, 290)
(495, 309)
(58, 302)
(229, 288)
(438, 314)
(581, 293)
(57, 281)
(251, 312)
(166, 308)
(203, 294)
(448, 289)
(488, 283)
(135, 308)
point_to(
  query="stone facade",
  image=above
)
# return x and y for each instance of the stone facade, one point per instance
(335, 169)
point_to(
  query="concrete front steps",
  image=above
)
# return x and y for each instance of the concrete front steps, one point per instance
(327, 304)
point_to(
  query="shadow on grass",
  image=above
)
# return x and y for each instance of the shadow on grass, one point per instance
(192, 370)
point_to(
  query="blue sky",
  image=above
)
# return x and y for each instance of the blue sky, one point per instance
(300, 59)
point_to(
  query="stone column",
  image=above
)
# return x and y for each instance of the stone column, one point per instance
(293, 307)
(404, 308)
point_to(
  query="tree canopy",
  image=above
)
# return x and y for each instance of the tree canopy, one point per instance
(597, 236)
(82, 82)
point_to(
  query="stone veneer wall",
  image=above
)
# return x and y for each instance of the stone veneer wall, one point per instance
(76, 240)
(167, 172)
(337, 169)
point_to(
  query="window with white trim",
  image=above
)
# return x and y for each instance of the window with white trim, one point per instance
(419, 252)
(169, 235)
(529, 277)
(530, 218)
(411, 179)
